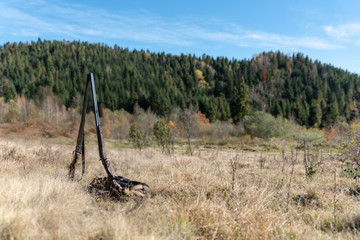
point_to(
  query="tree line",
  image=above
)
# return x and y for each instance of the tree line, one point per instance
(291, 86)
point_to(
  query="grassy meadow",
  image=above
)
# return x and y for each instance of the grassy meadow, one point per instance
(218, 193)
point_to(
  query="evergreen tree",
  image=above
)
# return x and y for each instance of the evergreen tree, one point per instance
(240, 105)
(276, 109)
(301, 115)
(8, 90)
(315, 113)
(223, 112)
(333, 109)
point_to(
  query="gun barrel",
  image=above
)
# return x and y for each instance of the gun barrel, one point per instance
(98, 129)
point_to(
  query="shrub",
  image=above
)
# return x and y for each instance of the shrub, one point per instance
(264, 125)
(137, 137)
(162, 135)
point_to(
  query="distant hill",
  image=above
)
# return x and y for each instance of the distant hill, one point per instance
(312, 93)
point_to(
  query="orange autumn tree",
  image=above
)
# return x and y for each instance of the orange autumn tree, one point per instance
(202, 118)
(203, 122)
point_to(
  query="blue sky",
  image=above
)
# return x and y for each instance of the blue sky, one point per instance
(325, 30)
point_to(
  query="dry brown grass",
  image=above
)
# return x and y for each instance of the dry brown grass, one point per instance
(193, 196)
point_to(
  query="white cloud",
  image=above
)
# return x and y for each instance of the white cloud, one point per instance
(81, 22)
(344, 31)
(244, 38)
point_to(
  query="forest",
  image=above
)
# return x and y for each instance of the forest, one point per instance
(294, 87)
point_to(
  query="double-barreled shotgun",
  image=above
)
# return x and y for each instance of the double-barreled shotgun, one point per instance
(116, 185)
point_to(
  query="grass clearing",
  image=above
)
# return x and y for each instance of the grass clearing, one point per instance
(195, 197)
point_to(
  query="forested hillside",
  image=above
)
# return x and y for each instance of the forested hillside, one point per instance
(312, 93)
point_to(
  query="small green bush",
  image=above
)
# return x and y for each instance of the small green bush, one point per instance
(264, 125)
(162, 135)
(137, 137)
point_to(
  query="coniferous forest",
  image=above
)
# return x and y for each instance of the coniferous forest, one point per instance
(294, 87)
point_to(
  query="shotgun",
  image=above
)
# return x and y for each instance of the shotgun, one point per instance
(115, 185)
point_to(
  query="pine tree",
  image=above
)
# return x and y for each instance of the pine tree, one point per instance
(333, 109)
(8, 90)
(276, 109)
(240, 105)
(224, 112)
(315, 113)
(301, 115)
